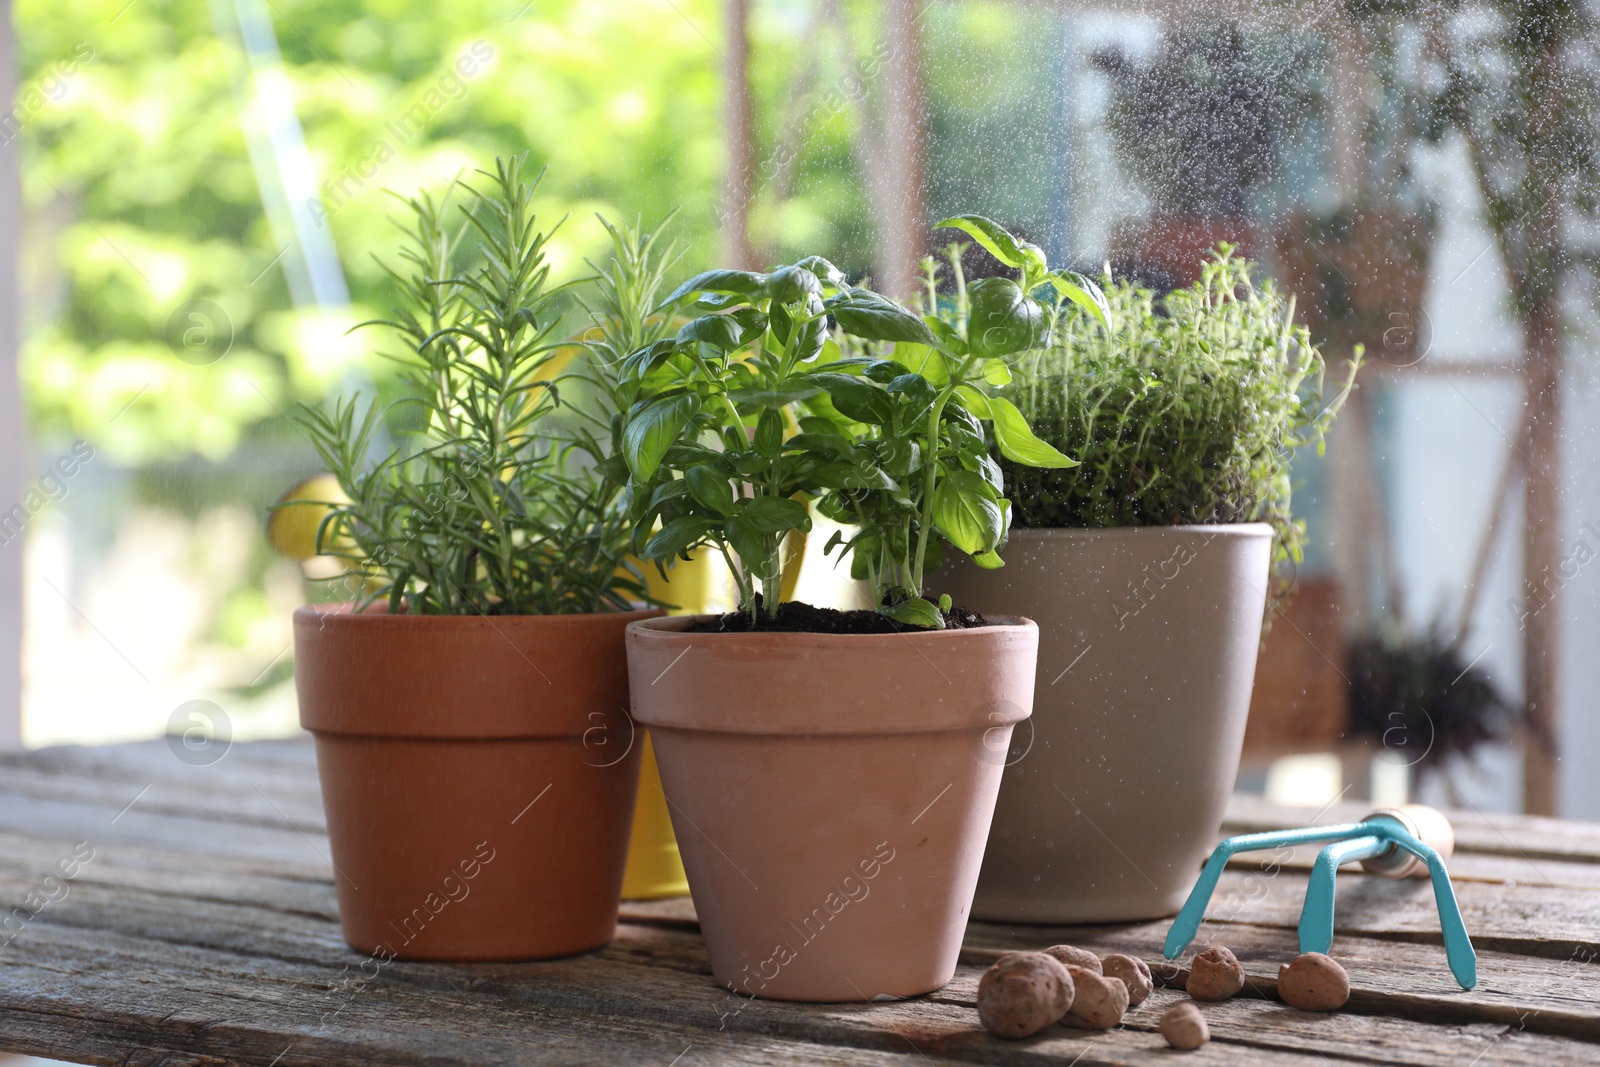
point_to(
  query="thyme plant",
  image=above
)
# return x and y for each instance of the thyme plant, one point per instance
(490, 507)
(1184, 409)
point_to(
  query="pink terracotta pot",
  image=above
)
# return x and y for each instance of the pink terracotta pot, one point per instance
(831, 794)
(478, 777)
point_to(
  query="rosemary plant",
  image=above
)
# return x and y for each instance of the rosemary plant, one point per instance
(490, 507)
(1185, 409)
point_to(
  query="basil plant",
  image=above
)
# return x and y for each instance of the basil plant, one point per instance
(793, 386)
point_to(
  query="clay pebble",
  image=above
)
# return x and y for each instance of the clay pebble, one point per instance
(1214, 974)
(1313, 982)
(1099, 1003)
(1184, 1027)
(1022, 993)
(1076, 957)
(1133, 971)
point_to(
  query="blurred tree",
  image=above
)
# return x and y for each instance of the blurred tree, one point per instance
(141, 197)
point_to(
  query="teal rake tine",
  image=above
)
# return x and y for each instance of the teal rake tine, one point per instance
(1377, 841)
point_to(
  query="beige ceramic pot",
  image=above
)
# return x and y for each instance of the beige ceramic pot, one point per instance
(1115, 790)
(831, 794)
(478, 777)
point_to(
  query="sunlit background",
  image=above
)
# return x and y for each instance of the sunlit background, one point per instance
(204, 191)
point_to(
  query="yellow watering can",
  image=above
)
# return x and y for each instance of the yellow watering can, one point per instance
(697, 585)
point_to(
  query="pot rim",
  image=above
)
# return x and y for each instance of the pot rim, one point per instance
(1207, 530)
(340, 615)
(667, 629)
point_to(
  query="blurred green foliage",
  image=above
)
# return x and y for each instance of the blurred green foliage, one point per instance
(141, 196)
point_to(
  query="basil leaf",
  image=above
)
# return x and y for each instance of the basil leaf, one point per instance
(710, 488)
(744, 282)
(638, 363)
(1083, 292)
(791, 285)
(876, 318)
(774, 398)
(831, 444)
(974, 402)
(1002, 319)
(654, 430)
(916, 612)
(947, 340)
(1018, 443)
(923, 360)
(995, 372)
(990, 234)
(769, 432)
(824, 270)
(718, 331)
(966, 512)
(775, 514)
(754, 547)
(856, 398)
(677, 537)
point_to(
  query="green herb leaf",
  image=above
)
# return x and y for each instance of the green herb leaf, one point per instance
(856, 398)
(946, 337)
(916, 612)
(791, 285)
(823, 270)
(755, 548)
(677, 537)
(775, 514)
(718, 331)
(639, 363)
(743, 282)
(924, 360)
(988, 233)
(995, 372)
(975, 402)
(966, 512)
(769, 432)
(710, 487)
(1018, 443)
(877, 318)
(789, 393)
(1002, 319)
(653, 430)
(1083, 292)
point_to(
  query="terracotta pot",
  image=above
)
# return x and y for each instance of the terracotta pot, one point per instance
(1170, 251)
(478, 777)
(831, 794)
(1147, 649)
(1361, 277)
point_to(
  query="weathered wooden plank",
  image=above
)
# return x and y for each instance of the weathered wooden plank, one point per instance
(251, 1008)
(215, 887)
(192, 1007)
(1406, 981)
(1540, 920)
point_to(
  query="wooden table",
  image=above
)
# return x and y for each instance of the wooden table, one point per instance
(203, 930)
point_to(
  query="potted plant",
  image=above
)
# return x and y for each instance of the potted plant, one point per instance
(828, 771)
(469, 703)
(1147, 567)
(1199, 125)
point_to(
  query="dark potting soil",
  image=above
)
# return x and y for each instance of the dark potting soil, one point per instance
(796, 618)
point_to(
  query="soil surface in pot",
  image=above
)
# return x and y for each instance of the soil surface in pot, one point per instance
(795, 617)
